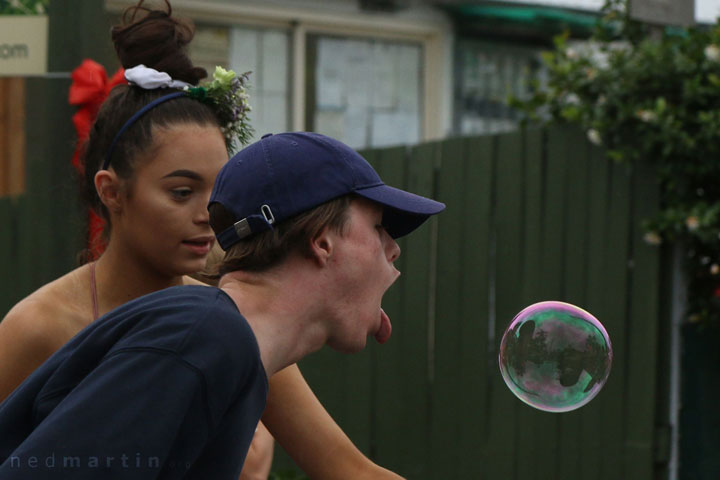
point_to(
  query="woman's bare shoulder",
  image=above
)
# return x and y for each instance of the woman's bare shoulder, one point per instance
(39, 325)
(52, 314)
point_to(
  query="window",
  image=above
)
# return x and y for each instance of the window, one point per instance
(366, 92)
(265, 53)
(486, 74)
(366, 88)
(12, 136)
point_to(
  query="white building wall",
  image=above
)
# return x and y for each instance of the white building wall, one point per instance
(231, 29)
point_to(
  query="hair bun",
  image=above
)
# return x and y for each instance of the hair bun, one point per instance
(157, 40)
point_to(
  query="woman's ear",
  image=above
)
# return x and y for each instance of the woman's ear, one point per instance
(322, 246)
(107, 185)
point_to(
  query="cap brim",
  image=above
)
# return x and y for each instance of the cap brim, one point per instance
(404, 211)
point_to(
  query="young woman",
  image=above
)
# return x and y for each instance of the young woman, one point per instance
(153, 193)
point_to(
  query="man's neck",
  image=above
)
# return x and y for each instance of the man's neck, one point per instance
(284, 311)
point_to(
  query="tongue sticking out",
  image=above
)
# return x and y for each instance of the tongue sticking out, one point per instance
(383, 333)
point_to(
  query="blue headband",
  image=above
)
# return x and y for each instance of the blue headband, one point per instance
(134, 118)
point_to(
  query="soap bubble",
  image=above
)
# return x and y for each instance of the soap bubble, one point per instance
(555, 356)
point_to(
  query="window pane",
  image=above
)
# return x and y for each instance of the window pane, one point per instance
(265, 53)
(365, 92)
(486, 74)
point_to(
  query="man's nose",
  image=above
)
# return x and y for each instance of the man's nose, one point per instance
(392, 249)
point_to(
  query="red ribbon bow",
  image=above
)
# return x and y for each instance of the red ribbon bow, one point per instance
(89, 89)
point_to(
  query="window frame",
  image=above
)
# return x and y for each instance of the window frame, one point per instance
(433, 34)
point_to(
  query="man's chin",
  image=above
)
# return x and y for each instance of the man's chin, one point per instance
(347, 346)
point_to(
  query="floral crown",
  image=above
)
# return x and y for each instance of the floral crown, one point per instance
(226, 94)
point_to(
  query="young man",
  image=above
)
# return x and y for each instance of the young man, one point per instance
(172, 385)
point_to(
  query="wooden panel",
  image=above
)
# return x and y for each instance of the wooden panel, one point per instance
(12, 135)
(477, 359)
(575, 259)
(642, 328)
(15, 135)
(52, 180)
(418, 270)
(615, 319)
(4, 136)
(592, 454)
(447, 386)
(8, 259)
(551, 285)
(508, 242)
(530, 291)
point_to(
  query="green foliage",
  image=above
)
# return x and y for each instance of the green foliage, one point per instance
(651, 96)
(23, 7)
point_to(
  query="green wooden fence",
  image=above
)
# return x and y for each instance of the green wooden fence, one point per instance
(40, 230)
(531, 216)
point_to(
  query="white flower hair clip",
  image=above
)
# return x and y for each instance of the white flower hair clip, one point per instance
(226, 95)
(150, 79)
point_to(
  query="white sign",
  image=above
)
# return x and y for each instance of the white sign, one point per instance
(23, 45)
(664, 12)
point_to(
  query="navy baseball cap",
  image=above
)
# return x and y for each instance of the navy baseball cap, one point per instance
(286, 174)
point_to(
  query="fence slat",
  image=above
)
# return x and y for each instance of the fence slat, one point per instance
(4, 137)
(575, 268)
(552, 275)
(445, 399)
(8, 259)
(477, 363)
(642, 331)
(417, 300)
(507, 221)
(591, 455)
(615, 320)
(529, 438)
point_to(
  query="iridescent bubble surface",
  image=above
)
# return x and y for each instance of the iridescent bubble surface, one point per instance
(555, 356)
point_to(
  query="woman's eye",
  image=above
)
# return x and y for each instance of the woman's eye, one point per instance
(181, 193)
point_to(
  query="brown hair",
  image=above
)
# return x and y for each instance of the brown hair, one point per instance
(156, 39)
(215, 258)
(267, 249)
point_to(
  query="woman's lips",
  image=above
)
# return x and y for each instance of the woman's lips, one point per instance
(199, 246)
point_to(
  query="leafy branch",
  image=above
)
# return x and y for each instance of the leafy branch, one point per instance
(652, 96)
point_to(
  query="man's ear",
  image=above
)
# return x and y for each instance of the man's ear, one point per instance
(107, 185)
(322, 246)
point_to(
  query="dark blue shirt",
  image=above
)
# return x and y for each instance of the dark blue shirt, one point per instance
(167, 386)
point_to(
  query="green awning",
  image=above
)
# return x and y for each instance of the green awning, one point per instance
(531, 20)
